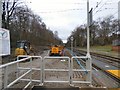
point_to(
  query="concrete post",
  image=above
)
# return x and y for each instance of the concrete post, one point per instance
(119, 10)
(88, 41)
(1, 77)
(1, 46)
(119, 15)
(0, 13)
(71, 45)
(89, 61)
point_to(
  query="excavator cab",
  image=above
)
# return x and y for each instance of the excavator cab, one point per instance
(56, 50)
(22, 48)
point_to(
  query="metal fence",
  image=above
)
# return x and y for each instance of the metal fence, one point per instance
(87, 69)
(57, 70)
(7, 70)
(39, 69)
(42, 69)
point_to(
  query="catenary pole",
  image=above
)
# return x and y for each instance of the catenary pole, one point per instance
(88, 40)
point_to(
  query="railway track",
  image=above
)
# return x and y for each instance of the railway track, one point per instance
(82, 75)
(105, 58)
(109, 59)
(113, 77)
(115, 59)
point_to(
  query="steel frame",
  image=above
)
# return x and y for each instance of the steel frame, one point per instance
(42, 70)
(6, 85)
(31, 68)
(68, 70)
(88, 69)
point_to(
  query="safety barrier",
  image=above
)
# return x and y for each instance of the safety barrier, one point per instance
(87, 70)
(60, 70)
(32, 69)
(42, 69)
(8, 69)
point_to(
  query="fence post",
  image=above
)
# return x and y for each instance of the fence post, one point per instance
(17, 73)
(5, 76)
(89, 67)
(1, 74)
(31, 70)
(42, 71)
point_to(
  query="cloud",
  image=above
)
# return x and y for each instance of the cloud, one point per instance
(57, 19)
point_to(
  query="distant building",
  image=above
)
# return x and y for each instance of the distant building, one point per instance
(116, 42)
(116, 45)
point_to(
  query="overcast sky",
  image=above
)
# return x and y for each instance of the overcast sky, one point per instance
(65, 15)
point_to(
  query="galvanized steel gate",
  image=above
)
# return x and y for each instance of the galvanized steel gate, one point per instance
(42, 70)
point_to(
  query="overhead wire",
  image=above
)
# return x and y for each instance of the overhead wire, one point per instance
(98, 3)
(98, 9)
(115, 12)
(76, 9)
(66, 10)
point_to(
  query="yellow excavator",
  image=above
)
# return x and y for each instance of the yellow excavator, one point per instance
(23, 48)
(56, 50)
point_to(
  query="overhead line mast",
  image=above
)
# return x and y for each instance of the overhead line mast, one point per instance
(119, 15)
(88, 41)
(0, 13)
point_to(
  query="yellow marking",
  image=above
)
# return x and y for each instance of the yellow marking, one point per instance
(114, 89)
(116, 73)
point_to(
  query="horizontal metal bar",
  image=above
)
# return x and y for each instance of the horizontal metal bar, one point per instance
(56, 81)
(33, 80)
(18, 78)
(79, 57)
(30, 56)
(28, 68)
(81, 82)
(50, 57)
(26, 86)
(23, 56)
(56, 69)
(36, 57)
(14, 62)
(81, 70)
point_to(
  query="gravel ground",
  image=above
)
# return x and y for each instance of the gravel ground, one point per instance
(53, 75)
(54, 64)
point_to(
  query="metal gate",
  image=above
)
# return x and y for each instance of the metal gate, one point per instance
(86, 69)
(42, 69)
(57, 70)
(39, 69)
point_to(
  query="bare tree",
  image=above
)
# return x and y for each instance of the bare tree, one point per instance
(8, 8)
(102, 32)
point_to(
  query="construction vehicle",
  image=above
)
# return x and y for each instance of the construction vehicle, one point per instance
(23, 48)
(56, 50)
(61, 50)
